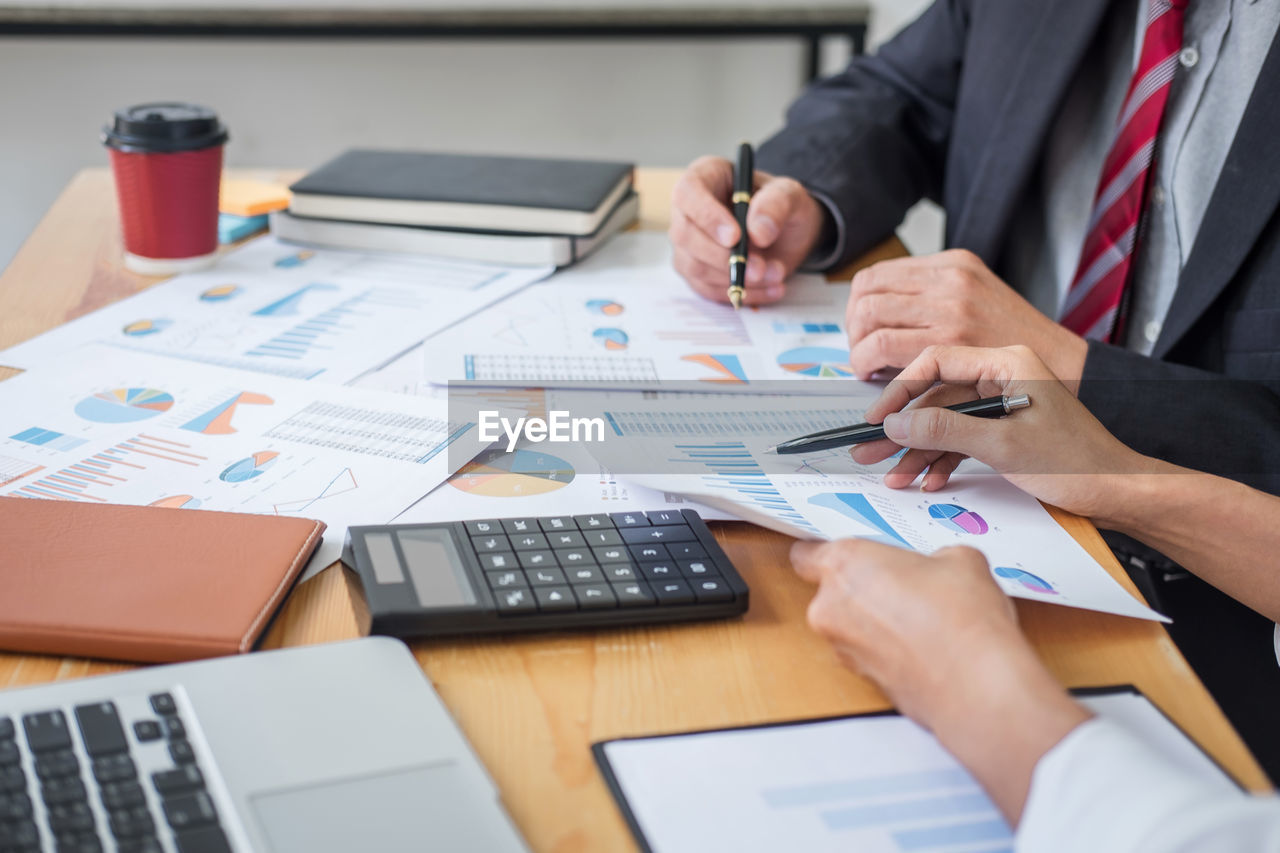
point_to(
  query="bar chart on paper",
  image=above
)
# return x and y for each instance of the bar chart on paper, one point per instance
(728, 468)
(316, 315)
(877, 784)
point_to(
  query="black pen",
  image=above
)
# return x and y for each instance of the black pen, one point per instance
(742, 182)
(990, 407)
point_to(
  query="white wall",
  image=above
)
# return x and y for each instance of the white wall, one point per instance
(296, 103)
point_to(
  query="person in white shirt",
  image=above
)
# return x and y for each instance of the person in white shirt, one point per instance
(936, 633)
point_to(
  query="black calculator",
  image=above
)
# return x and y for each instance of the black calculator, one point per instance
(537, 574)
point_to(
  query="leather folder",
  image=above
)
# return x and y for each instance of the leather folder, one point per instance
(146, 584)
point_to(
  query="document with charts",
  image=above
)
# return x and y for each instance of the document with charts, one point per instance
(717, 453)
(273, 308)
(116, 427)
(533, 479)
(625, 316)
(877, 783)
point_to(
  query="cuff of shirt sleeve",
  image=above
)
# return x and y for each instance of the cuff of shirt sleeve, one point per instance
(1104, 789)
(828, 253)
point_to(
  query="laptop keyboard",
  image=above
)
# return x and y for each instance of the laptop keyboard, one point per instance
(70, 781)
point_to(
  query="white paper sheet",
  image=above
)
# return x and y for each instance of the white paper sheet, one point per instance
(625, 316)
(273, 308)
(535, 480)
(877, 784)
(111, 426)
(717, 454)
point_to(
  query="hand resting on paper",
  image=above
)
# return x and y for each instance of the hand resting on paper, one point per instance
(941, 639)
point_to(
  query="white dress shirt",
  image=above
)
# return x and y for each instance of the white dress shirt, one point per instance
(1104, 791)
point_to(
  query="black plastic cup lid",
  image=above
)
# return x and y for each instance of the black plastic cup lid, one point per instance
(164, 128)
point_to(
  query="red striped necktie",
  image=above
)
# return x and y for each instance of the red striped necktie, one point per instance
(1106, 260)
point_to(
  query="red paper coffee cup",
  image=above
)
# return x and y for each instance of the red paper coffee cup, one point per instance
(167, 162)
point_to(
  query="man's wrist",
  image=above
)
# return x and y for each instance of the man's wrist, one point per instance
(1024, 713)
(829, 245)
(1068, 358)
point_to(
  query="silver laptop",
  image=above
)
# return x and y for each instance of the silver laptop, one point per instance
(340, 747)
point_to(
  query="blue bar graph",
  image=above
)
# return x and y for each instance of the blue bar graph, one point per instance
(48, 438)
(935, 837)
(947, 805)
(926, 781)
(729, 467)
(322, 331)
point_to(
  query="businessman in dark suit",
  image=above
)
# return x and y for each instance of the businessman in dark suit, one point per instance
(1111, 176)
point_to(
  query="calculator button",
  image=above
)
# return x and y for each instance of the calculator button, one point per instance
(504, 580)
(697, 568)
(489, 544)
(666, 517)
(520, 525)
(649, 552)
(616, 554)
(528, 541)
(584, 574)
(629, 519)
(484, 528)
(555, 598)
(597, 596)
(556, 523)
(594, 522)
(619, 572)
(536, 559)
(659, 571)
(575, 557)
(711, 590)
(635, 594)
(673, 592)
(512, 602)
(645, 535)
(505, 560)
(546, 577)
(686, 550)
(603, 537)
(571, 539)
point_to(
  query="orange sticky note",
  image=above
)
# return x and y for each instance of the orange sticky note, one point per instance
(251, 198)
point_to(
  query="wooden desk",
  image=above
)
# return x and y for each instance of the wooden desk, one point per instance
(532, 705)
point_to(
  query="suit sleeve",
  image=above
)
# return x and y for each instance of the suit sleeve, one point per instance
(1190, 417)
(872, 140)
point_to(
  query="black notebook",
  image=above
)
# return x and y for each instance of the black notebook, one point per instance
(524, 194)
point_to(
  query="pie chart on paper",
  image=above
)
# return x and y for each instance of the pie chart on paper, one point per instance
(498, 474)
(249, 467)
(826, 362)
(142, 328)
(607, 307)
(958, 519)
(1035, 583)
(124, 405)
(612, 339)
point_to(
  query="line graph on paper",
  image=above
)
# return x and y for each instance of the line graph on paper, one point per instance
(342, 483)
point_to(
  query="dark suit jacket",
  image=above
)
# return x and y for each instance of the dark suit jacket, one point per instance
(957, 109)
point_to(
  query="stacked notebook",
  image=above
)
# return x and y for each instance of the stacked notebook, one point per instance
(506, 210)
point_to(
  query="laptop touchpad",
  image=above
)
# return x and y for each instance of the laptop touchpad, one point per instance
(409, 810)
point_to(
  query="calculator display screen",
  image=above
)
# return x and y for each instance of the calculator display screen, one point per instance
(436, 568)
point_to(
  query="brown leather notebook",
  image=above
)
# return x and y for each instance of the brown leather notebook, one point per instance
(143, 583)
